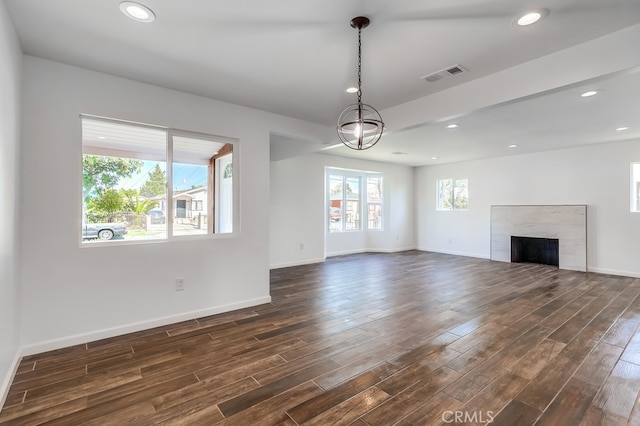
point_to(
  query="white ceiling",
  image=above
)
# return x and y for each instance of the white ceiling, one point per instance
(296, 58)
(546, 121)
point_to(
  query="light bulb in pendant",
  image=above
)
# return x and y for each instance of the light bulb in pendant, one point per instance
(357, 131)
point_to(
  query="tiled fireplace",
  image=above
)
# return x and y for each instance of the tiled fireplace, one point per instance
(565, 223)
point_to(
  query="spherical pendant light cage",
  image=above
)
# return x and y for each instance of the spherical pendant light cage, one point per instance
(360, 125)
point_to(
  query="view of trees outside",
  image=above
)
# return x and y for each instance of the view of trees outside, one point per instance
(156, 184)
(105, 200)
(102, 173)
(445, 194)
(460, 194)
(453, 194)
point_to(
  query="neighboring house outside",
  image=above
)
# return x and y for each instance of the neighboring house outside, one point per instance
(189, 206)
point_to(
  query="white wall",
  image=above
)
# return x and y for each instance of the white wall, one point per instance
(70, 293)
(597, 175)
(298, 211)
(10, 71)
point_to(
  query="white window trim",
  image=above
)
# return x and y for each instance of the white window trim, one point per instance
(169, 132)
(634, 187)
(381, 203)
(363, 175)
(453, 192)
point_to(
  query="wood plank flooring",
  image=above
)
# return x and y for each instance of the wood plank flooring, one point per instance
(410, 338)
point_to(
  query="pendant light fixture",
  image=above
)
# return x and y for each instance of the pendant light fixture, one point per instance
(360, 125)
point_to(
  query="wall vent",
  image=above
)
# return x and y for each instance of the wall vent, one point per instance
(445, 73)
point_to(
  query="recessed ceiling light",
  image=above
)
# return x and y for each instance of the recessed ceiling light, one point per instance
(531, 17)
(137, 11)
(452, 126)
(434, 158)
(513, 145)
(590, 93)
(352, 90)
(399, 153)
(622, 129)
(102, 138)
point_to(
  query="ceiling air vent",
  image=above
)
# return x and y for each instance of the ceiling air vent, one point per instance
(445, 73)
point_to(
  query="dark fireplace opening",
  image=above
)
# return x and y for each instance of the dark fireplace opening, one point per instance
(535, 250)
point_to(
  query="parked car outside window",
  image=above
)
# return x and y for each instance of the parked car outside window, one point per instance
(156, 216)
(103, 231)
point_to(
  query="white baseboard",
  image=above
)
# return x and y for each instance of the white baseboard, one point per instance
(106, 333)
(564, 268)
(6, 383)
(395, 250)
(340, 253)
(346, 252)
(456, 253)
(613, 272)
(370, 250)
(296, 263)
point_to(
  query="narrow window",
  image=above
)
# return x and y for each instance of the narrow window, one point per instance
(336, 203)
(460, 194)
(374, 203)
(352, 203)
(635, 187)
(196, 169)
(224, 200)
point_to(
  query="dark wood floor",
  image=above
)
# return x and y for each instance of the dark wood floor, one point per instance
(411, 338)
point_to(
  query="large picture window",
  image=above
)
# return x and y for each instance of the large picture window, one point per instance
(151, 183)
(452, 194)
(353, 195)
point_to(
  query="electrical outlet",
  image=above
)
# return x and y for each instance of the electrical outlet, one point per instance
(179, 284)
(301, 246)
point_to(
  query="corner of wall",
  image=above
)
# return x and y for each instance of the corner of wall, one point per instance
(6, 383)
(11, 70)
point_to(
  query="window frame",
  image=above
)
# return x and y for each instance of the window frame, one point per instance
(169, 236)
(363, 199)
(380, 203)
(452, 197)
(634, 187)
(212, 185)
